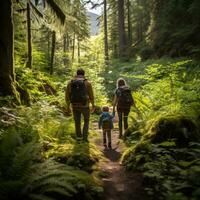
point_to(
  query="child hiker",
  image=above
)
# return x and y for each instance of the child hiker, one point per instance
(106, 123)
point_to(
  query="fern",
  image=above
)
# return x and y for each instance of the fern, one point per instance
(40, 197)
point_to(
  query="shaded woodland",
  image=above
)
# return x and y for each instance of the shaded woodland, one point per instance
(153, 44)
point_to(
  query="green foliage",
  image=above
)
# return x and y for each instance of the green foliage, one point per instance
(168, 170)
(26, 173)
(164, 137)
(82, 156)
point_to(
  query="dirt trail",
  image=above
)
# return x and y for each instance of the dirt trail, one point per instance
(118, 183)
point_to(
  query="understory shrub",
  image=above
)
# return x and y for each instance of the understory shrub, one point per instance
(164, 137)
(26, 135)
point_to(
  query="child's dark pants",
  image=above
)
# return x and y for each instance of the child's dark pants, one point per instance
(107, 136)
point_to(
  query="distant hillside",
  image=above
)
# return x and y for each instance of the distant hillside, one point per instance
(93, 21)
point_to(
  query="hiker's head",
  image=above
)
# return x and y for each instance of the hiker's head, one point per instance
(80, 72)
(105, 109)
(120, 82)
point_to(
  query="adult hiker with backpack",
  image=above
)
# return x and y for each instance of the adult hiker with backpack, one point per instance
(79, 94)
(123, 100)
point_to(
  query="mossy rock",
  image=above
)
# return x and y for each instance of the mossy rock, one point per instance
(82, 156)
(179, 128)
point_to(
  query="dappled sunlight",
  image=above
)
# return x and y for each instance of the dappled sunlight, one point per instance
(45, 45)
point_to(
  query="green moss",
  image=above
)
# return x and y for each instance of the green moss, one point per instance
(180, 128)
(80, 155)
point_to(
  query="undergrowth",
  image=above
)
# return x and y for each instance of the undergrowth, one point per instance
(40, 158)
(164, 138)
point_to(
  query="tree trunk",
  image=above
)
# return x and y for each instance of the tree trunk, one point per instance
(7, 78)
(121, 29)
(64, 50)
(53, 46)
(49, 48)
(29, 43)
(64, 43)
(79, 52)
(68, 42)
(73, 47)
(106, 33)
(129, 23)
(129, 44)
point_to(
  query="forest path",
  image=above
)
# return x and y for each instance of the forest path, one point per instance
(118, 184)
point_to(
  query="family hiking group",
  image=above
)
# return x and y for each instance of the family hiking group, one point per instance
(79, 94)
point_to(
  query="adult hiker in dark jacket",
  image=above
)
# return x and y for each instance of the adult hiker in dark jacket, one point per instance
(123, 100)
(79, 94)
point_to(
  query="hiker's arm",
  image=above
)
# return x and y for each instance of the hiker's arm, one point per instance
(114, 102)
(100, 122)
(67, 95)
(113, 114)
(91, 94)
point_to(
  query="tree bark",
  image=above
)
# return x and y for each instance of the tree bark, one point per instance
(64, 43)
(68, 42)
(73, 46)
(64, 49)
(29, 42)
(106, 33)
(7, 78)
(129, 23)
(53, 46)
(78, 48)
(49, 47)
(121, 29)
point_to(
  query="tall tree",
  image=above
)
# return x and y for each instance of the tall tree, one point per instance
(53, 47)
(78, 49)
(113, 28)
(121, 29)
(129, 23)
(29, 42)
(106, 33)
(73, 45)
(65, 48)
(7, 78)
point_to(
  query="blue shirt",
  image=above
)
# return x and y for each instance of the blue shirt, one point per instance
(106, 115)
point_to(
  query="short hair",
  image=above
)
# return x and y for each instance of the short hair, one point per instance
(120, 82)
(80, 72)
(105, 109)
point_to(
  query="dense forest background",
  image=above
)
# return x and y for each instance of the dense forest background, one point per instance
(153, 44)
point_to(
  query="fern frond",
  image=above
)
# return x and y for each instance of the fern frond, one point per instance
(55, 174)
(57, 190)
(40, 197)
(8, 146)
(55, 183)
(22, 160)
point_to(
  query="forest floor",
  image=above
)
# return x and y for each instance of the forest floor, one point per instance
(118, 183)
